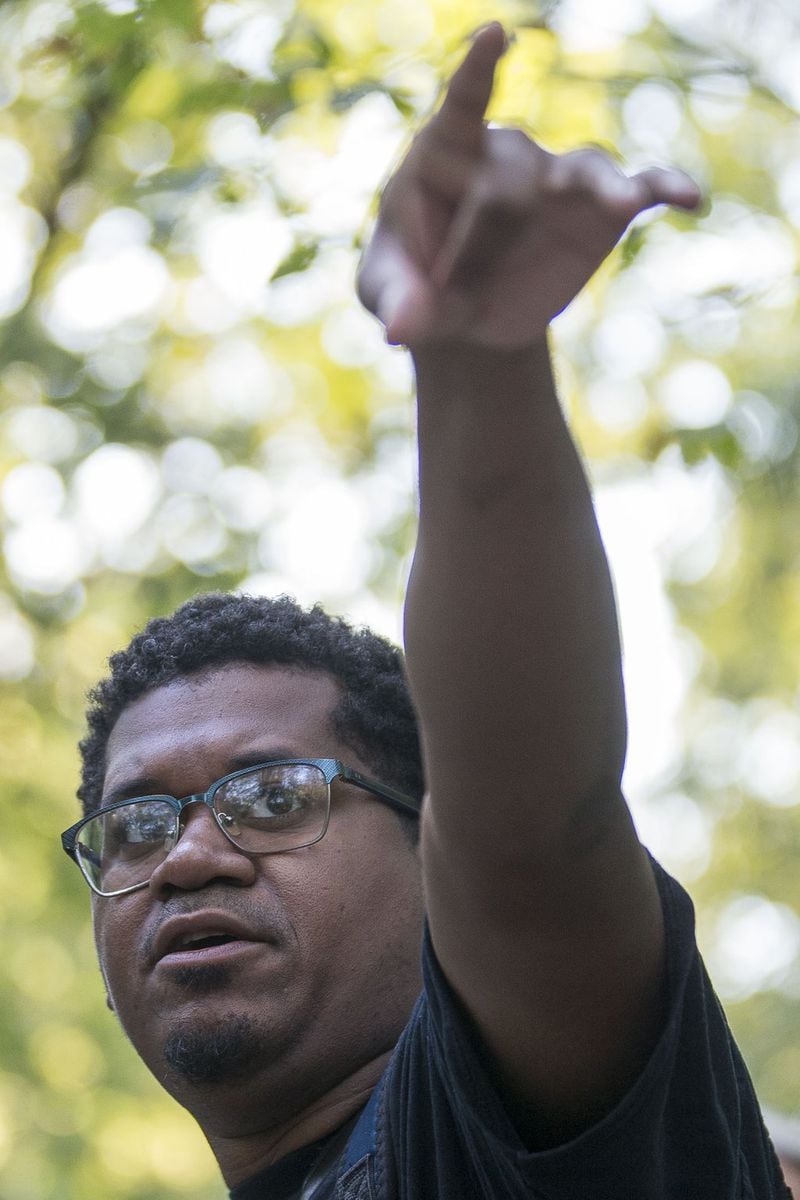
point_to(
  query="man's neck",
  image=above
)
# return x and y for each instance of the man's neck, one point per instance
(242, 1156)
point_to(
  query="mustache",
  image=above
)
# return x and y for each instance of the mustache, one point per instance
(266, 922)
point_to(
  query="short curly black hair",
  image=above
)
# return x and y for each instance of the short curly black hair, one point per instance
(375, 716)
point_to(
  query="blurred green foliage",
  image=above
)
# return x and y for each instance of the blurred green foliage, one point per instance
(190, 396)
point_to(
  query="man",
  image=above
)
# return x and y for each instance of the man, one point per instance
(259, 938)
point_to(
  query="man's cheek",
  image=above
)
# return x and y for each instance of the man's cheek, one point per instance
(113, 958)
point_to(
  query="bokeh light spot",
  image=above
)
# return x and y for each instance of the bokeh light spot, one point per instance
(15, 165)
(695, 394)
(17, 645)
(32, 490)
(755, 945)
(116, 489)
(46, 555)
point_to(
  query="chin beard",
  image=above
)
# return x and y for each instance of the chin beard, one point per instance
(226, 1052)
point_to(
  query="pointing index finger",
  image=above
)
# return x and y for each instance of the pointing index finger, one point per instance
(460, 118)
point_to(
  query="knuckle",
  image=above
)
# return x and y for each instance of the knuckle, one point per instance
(511, 185)
(582, 171)
(501, 202)
(515, 140)
(513, 149)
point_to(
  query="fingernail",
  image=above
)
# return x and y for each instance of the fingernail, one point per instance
(509, 38)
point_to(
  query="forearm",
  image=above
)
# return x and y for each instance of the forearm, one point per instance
(482, 238)
(510, 601)
(542, 906)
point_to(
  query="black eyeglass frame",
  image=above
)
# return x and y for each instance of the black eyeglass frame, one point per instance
(331, 769)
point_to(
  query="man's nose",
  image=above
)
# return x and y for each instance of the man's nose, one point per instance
(201, 855)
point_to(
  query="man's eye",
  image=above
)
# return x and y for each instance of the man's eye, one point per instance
(263, 801)
(281, 801)
(140, 824)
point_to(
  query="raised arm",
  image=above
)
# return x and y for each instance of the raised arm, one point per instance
(542, 904)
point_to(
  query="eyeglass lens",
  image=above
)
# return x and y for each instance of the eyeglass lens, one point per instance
(261, 811)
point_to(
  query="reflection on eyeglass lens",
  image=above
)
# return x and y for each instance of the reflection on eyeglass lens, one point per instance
(272, 799)
(258, 809)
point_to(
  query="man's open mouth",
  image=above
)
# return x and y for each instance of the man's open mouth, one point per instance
(203, 941)
(207, 933)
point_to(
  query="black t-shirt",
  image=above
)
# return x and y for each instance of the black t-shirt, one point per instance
(689, 1129)
(283, 1181)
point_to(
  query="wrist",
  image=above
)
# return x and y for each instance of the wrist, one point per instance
(458, 369)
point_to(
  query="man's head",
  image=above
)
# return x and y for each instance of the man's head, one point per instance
(374, 715)
(305, 963)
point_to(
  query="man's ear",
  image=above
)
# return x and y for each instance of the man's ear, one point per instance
(109, 1001)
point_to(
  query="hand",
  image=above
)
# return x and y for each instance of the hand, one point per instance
(483, 236)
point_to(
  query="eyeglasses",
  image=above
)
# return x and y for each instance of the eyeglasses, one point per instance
(266, 809)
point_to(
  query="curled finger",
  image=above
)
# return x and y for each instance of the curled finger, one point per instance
(593, 175)
(668, 185)
(483, 228)
(392, 287)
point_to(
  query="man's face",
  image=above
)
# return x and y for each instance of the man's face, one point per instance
(322, 972)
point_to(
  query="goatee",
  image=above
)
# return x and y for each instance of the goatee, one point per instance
(224, 1053)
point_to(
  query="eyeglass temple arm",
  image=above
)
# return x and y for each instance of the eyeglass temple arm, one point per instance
(391, 796)
(70, 845)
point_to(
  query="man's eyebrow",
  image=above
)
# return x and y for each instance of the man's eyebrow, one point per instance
(253, 758)
(131, 788)
(146, 785)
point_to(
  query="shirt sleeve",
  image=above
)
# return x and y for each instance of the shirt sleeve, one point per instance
(689, 1127)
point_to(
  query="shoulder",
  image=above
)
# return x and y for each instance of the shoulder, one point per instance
(689, 1126)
